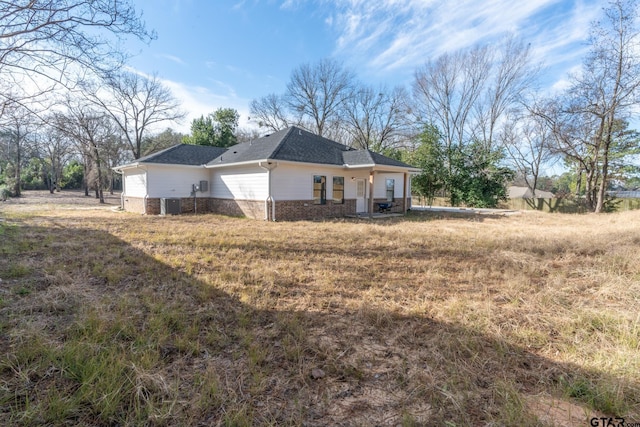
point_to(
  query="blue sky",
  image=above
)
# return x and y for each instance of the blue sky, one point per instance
(219, 53)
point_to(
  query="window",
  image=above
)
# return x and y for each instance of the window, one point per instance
(390, 184)
(338, 190)
(319, 190)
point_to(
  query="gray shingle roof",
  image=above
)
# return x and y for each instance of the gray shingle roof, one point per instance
(298, 145)
(184, 154)
(368, 157)
(291, 144)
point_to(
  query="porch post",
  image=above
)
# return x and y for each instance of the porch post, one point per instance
(371, 181)
(404, 192)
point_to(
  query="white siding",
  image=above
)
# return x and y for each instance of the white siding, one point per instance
(380, 185)
(241, 183)
(174, 181)
(135, 182)
(293, 182)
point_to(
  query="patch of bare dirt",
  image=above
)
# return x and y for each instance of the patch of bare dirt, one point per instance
(559, 412)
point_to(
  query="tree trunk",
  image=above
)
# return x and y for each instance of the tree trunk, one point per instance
(99, 193)
(605, 173)
(85, 178)
(17, 188)
(18, 184)
(579, 183)
(52, 178)
(589, 190)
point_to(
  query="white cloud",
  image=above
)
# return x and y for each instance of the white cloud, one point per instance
(172, 58)
(387, 35)
(199, 101)
(239, 5)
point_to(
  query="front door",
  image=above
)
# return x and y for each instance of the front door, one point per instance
(361, 205)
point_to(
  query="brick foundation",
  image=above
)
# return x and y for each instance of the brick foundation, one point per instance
(249, 208)
(286, 210)
(153, 206)
(137, 205)
(291, 210)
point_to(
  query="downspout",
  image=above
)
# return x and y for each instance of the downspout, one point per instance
(372, 175)
(269, 167)
(146, 192)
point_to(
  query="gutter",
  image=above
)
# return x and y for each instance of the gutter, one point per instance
(269, 167)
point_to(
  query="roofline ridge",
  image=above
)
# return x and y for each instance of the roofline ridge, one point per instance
(369, 154)
(157, 153)
(275, 151)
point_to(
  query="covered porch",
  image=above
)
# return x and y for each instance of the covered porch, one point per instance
(383, 191)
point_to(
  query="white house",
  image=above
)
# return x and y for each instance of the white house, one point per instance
(289, 175)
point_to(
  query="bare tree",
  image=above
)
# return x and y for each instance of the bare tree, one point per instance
(136, 104)
(246, 135)
(16, 129)
(160, 141)
(374, 118)
(316, 92)
(512, 76)
(586, 120)
(57, 149)
(528, 143)
(574, 139)
(92, 130)
(114, 153)
(40, 40)
(610, 83)
(447, 89)
(465, 94)
(271, 112)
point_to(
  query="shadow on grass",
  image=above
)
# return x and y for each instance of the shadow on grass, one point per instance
(97, 332)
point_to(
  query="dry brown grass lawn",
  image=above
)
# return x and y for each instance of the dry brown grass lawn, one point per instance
(110, 318)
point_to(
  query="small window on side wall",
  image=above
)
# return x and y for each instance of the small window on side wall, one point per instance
(338, 190)
(319, 189)
(390, 189)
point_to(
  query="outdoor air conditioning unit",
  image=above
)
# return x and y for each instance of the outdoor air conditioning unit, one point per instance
(169, 206)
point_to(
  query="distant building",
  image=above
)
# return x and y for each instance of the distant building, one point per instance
(633, 194)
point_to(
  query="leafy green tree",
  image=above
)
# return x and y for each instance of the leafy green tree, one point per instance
(478, 178)
(34, 175)
(217, 129)
(202, 132)
(625, 146)
(73, 175)
(226, 123)
(429, 156)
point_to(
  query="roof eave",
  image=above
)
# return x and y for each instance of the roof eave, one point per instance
(127, 166)
(244, 163)
(138, 164)
(379, 167)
